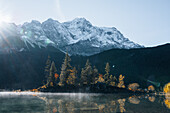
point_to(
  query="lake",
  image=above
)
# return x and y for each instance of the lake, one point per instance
(27, 102)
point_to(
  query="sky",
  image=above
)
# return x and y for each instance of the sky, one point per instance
(146, 22)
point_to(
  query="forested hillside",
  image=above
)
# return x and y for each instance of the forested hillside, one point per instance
(25, 70)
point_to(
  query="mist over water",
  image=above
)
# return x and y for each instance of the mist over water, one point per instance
(27, 102)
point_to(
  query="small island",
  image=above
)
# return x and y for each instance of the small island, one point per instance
(89, 81)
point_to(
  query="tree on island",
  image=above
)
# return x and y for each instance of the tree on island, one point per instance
(86, 74)
(133, 86)
(71, 80)
(47, 67)
(94, 75)
(65, 70)
(112, 80)
(100, 79)
(106, 76)
(121, 82)
(51, 81)
(89, 76)
(151, 88)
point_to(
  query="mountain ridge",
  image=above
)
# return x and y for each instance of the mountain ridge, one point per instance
(75, 37)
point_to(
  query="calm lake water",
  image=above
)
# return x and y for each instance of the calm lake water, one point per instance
(81, 103)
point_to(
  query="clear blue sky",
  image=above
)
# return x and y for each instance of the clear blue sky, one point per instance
(146, 22)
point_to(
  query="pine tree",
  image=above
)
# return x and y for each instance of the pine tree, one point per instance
(47, 67)
(83, 79)
(89, 72)
(65, 70)
(86, 74)
(51, 81)
(94, 75)
(106, 76)
(115, 80)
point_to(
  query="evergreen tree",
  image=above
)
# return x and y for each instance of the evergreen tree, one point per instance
(51, 81)
(47, 67)
(107, 76)
(86, 74)
(65, 70)
(72, 77)
(83, 79)
(115, 80)
(94, 75)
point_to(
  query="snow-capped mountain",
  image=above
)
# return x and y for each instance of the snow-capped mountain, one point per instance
(78, 36)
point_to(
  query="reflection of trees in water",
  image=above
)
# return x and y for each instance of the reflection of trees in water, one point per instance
(134, 100)
(94, 105)
(108, 107)
(167, 100)
(122, 105)
(73, 106)
(167, 95)
(61, 106)
(151, 98)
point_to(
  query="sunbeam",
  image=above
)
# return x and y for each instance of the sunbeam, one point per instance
(59, 12)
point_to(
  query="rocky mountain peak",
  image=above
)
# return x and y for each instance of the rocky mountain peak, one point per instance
(78, 36)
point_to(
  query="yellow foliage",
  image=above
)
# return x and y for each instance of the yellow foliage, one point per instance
(152, 98)
(121, 82)
(121, 77)
(151, 88)
(44, 86)
(134, 100)
(167, 88)
(51, 84)
(100, 78)
(60, 84)
(71, 79)
(133, 86)
(34, 90)
(112, 83)
(167, 103)
(122, 105)
(71, 70)
(123, 86)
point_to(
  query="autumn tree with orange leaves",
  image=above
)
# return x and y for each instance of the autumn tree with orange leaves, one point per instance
(72, 77)
(121, 82)
(100, 79)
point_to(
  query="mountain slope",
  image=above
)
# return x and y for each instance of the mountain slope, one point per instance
(138, 65)
(26, 69)
(78, 37)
